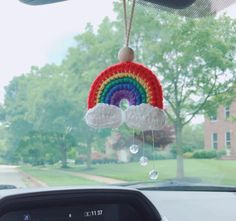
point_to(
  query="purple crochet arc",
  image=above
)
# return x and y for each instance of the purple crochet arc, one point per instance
(118, 96)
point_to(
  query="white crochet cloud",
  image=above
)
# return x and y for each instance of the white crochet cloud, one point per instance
(142, 117)
(104, 116)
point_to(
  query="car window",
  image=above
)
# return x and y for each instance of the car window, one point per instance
(51, 55)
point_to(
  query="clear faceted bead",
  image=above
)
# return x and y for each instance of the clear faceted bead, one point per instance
(134, 149)
(153, 175)
(143, 161)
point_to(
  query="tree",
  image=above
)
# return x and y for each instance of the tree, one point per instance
(195, 60)
(195, 66)
(39, 102)
(14, 109)
(193, 137)
(160, 138)
(92, 53)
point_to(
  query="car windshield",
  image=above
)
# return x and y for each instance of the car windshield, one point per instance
(50, 57)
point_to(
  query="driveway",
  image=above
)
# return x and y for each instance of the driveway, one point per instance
(11, 175)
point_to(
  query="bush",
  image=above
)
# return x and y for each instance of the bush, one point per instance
(208, 154)
(220, 153)
(163, 155)
(185, 149)
(110, 160)
(150, 154)
(188, 155)
(104, 160)
(204, 154)
(80, 160)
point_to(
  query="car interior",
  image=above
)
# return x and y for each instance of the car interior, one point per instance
(171, 199)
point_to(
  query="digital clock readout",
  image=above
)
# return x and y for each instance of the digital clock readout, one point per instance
(93, 213)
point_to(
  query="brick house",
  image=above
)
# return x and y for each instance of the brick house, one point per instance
(220, 130)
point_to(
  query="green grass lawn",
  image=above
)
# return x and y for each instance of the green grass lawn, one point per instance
(54, 177)
(209, 171)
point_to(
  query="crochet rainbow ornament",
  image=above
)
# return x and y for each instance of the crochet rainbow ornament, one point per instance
(130, 81)
(126, 81)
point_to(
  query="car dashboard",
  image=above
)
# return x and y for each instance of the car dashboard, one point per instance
(115, 204)
(83, 204)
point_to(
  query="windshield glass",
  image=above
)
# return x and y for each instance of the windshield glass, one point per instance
(50, 56)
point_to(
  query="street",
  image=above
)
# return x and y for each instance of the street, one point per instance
(11, 176)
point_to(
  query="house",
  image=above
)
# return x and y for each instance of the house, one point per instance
(220, 130)
(115, 146)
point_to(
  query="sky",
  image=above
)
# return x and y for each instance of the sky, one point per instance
(32, 35)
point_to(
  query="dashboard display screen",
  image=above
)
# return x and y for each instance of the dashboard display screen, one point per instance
(80, 213)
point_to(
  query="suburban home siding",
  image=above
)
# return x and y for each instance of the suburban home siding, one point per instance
(221, 126)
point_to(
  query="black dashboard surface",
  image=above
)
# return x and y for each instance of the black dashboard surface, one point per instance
(115, 204)
(90, 212)
(91, 204)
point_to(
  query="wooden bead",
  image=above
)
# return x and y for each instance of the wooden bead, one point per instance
(126, 54)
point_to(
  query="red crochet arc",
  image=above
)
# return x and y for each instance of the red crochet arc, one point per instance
(135, 81)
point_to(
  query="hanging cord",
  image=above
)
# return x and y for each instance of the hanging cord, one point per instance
(128, 25)
(143, 143)
(133, 135)
(153, 150)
